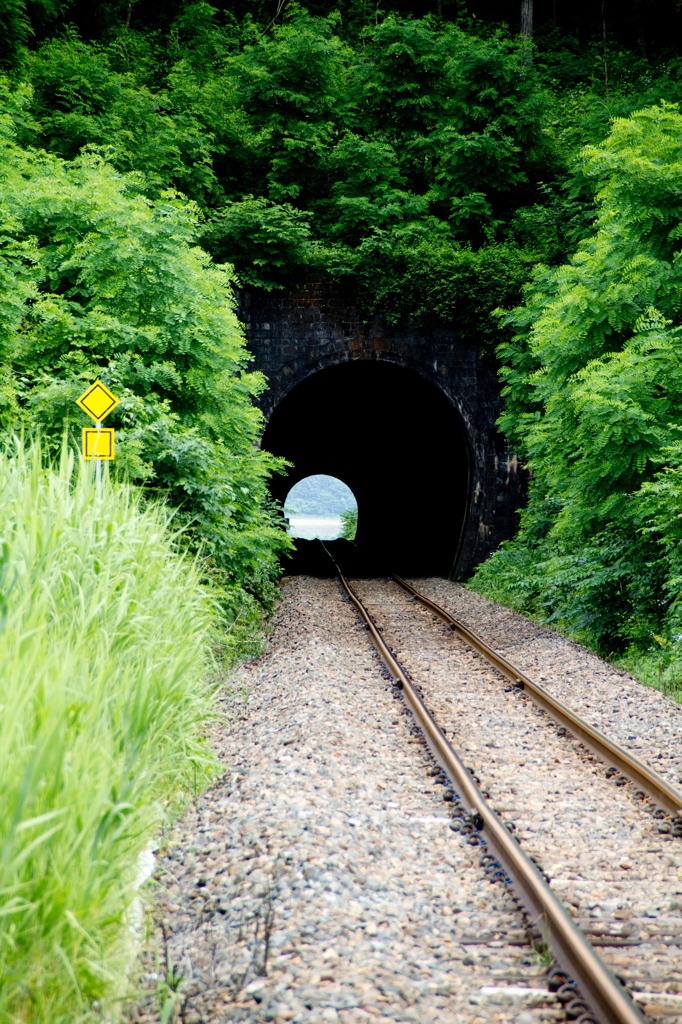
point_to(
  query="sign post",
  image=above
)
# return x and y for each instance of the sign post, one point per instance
(98, 444)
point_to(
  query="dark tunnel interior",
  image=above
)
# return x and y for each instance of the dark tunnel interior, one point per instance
(397, 442)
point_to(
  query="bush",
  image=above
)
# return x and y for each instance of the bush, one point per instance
(97, 280)
(349, 521)
(593, 386)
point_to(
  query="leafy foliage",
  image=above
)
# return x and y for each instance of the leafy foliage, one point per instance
(315, 154)
(98, 280)
(266, 239)
(340, 143)
(593, 384)
(80, 101)
(349, 519)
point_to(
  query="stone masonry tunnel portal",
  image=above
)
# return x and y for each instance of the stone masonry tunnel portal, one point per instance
(404, 415)
(398, 442)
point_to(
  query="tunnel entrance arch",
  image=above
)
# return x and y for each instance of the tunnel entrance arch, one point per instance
(300, 333)
(401, 446)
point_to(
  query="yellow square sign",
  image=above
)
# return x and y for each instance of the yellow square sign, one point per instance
(98, 444)
(97, 401)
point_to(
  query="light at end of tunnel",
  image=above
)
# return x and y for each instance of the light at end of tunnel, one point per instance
(323, 507)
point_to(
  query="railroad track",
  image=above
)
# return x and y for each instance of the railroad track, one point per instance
(648, 781)
(601, 843)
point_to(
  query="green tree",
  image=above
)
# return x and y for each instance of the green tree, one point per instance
(312, 154)
(593, 382)
(291, 85)
(79, 101)
(17, 20)
(98, 280)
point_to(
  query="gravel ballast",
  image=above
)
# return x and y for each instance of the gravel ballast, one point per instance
(319, 880)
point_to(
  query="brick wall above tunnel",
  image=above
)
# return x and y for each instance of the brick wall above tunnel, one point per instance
(296, 334)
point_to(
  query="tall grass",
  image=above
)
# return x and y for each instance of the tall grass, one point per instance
(660, 667)
(104, 634)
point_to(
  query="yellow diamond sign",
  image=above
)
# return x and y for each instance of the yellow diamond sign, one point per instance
(97, 401)
(98, 444)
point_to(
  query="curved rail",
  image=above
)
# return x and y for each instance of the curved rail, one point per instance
(641, 774)
(608, 1001)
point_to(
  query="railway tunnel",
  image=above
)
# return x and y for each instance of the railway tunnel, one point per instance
(404, 414)
(400, 445)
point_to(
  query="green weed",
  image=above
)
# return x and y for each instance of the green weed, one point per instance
(104, 634)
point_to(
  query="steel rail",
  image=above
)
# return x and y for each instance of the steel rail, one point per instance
(608, 1001)
(641, 774)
